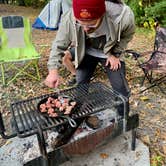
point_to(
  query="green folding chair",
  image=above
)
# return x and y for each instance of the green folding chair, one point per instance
(18, 56)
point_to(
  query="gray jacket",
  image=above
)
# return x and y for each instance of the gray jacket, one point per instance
(121, 27)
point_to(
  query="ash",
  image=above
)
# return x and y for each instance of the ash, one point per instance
(12, 153)
(33, 151)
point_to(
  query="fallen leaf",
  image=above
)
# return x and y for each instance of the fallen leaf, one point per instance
(144, 98)
(8, 142)
(137, 155)
(163, 136)
(146, 139)
(143, 113)
(150, 105)
(104, 155)
(135, 104)
(157, 132)
(164, 149)
(155, 119)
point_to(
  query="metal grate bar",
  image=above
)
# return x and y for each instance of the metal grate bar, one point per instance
(90, 98)
(26, 119)
(14, 119)
(34, 115)
(19, 120)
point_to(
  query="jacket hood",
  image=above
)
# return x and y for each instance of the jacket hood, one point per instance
(115, 11)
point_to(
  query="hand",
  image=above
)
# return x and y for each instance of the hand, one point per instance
(53, 79)
(114, 63)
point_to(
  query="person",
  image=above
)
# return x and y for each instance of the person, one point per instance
(66, 5)
(99, 30)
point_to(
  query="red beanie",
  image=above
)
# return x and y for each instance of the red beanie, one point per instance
(88, 9)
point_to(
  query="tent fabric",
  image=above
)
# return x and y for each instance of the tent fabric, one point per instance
(49, 17)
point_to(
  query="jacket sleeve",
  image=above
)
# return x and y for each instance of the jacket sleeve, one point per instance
(127, 32)
(59, 45)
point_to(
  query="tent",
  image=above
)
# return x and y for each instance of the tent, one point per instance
(49, 17)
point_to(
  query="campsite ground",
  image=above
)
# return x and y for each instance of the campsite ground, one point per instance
(150, 105)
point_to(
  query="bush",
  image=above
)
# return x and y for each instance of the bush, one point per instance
(33, 3)
(138, 10)
(157, 12)
(147, 12)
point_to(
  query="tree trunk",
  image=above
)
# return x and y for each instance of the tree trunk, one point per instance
(3, 1)
(21, 2)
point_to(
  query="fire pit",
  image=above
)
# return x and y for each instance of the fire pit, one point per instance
(90, 98)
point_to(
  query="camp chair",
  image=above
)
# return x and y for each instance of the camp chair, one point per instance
(17, 52)
(156, 64)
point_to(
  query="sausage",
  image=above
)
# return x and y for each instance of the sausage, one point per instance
(62, 104)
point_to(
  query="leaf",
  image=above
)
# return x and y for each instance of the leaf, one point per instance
(8, 142)
(157, 132)
(104, 155)
(146, 139)
(150, 105)
(164, 149)
(137, 155)
(155, 119)
(140, 3)
(145, 24)
(163, 136)
(143, 113)
(144, 98)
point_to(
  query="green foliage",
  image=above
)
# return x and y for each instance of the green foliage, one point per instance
(33, 3)
(157, 12)
(137, 9)
(157, 161)
(144, 31)
(147, 12)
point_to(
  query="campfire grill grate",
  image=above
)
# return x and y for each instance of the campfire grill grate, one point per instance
(91, 98)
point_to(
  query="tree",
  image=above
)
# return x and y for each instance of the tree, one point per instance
(21, 2)
(4, 1)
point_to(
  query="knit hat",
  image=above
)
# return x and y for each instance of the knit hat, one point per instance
(88, 9)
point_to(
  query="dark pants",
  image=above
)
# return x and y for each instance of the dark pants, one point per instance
(117, 78)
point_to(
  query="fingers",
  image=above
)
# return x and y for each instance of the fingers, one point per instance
(114, 65)
(107, 62)
(52, 79)
(51, 84)
(119, 65)
(57, 83)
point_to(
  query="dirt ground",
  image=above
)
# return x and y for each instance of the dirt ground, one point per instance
(150, 105)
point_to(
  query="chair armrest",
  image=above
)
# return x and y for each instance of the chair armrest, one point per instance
(136, 55)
